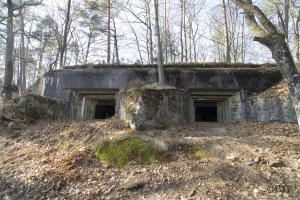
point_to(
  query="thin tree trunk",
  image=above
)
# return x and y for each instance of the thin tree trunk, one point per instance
(296, 35)
(286, 19)
(41, 57)
(185, 32)
(227, 44)
(148, 46)
(181, 31)
(88, 47)
(108, 31)
(150, 34)
(190, 39)
(116, 41)
(137, 43)
(161, 73)
(166, 43)
(22, 54)
(65, 36)
(76, 54)
(8, 76)
(243, 40)
(195, 43)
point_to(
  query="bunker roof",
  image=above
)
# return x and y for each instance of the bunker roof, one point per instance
(175, 65)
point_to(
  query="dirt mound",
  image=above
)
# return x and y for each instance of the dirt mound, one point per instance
(280, 90)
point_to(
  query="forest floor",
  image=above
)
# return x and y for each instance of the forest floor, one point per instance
(55, 160)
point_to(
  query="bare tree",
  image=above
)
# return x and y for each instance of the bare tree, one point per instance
(160, 57)
(10, 48)
(108, 31)
(295, 22)
(116, 46)
(226, 29)
(22, 76)
(65, 36)
(9, 55)
(146, 21)
(267, 34)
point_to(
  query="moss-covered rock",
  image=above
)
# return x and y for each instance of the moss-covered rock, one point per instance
(154, 107)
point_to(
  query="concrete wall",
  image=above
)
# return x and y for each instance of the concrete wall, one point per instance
(237, 107)
(58, 84)
(270, 109)
(245, 108)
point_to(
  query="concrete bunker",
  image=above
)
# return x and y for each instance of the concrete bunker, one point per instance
(220, 92)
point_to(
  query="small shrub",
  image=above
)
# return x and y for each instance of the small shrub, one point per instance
(200, 154)
(128, 150)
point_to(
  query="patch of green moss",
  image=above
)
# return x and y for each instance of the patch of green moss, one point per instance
(200, 154)
(129, 150)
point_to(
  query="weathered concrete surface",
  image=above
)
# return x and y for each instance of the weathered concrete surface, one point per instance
(32, 107)
(149, 108)
(245, 108)
(59, 83)
(270, 109)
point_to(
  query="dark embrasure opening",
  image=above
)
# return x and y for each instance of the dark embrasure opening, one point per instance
(206, 112)
(104, 110)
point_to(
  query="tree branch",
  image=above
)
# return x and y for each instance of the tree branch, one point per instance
(252, 11)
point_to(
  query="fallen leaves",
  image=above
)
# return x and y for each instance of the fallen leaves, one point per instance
(55, 160)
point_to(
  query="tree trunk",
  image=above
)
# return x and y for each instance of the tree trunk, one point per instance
(150, 34)
(286, 19)
(267, 34)
(181, 32)
(88, 47)
(116, 41)
(161, 73)
(166, 29)
(284, 59)
(296, 35)
(227, 44)
(8, 76)
(243, 41)
(65, 36)
(41, 57)
(108, 32)
(22, 54)
(137, 43)
(185, 32)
